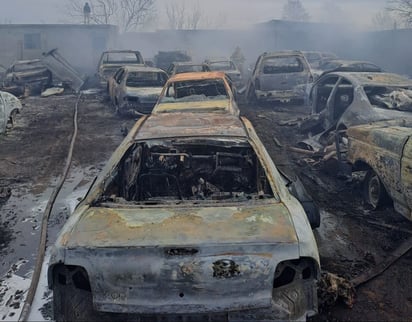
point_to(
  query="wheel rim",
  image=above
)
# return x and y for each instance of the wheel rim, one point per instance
(374, 190)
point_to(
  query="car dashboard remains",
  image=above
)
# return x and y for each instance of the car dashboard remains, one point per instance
(165, 171)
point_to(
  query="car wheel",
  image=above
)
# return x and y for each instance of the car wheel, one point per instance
(374, 192)
(312, 212)
(71, 303)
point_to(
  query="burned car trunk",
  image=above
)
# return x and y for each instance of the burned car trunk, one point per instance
(189, 217)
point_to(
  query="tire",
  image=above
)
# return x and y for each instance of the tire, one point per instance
(71, 303)
(374, 192)
(312, 212)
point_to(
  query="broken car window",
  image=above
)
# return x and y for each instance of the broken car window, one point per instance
(146, 79)
(157, 172)
(195, 91)
(276, 65)
(390, 97)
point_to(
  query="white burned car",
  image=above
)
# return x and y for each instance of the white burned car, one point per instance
(189, 221)
(280, 76)
(134, 90)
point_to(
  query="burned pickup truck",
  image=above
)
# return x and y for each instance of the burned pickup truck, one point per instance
(22, 74)
(365, 121)
(110, 61)
(189, 221)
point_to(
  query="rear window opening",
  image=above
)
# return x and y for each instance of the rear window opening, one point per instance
(390, 97)
(158, 172)
(277, 65)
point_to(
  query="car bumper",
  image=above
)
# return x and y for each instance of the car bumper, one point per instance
(294, 302)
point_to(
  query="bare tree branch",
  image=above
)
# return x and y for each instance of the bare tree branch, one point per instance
(402, 9)
(384, 20)
(295, 11)
(127, 14)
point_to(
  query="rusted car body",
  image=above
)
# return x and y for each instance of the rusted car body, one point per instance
(197, 92)
(385, 150)
(189, 220)
(228, 67)
(279, 76)
(9, 107)
(32, 74)
(186, 67)
(368, 118)
(110, 61)
(134, 90)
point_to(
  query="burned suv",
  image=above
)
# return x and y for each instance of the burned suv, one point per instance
(279, 76)
(189, 221)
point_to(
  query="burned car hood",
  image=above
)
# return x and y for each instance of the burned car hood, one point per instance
(165, 125)
(269, 223)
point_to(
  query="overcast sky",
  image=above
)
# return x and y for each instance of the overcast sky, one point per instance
(222, 13)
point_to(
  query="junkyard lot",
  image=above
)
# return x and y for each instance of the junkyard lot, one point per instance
(33, 155)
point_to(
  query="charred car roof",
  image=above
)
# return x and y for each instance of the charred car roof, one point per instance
(195, 76)
(373, 79)
(142, 68)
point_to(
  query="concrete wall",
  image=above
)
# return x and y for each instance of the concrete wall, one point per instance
(81, 45)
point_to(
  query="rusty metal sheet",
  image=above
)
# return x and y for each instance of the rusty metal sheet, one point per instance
(167, 125)
(261, 223)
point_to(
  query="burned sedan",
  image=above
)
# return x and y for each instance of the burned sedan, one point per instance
(365, 120)
(134, 90)
(197, 92)
(279, 76)
(110, 61)
(189, 220)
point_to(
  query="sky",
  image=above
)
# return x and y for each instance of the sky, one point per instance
(215, 13)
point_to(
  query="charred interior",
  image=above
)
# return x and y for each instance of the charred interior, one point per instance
(152, 172)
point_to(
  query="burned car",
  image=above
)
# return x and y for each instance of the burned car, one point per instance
(9, 107)
(134, 90)
(189, 220)
(384, 151)
(110, 61)
(367, 119)
(186, 67)
(31, 74)
(279, 76)
(197, 92)
(163, 59)
(228, 67)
